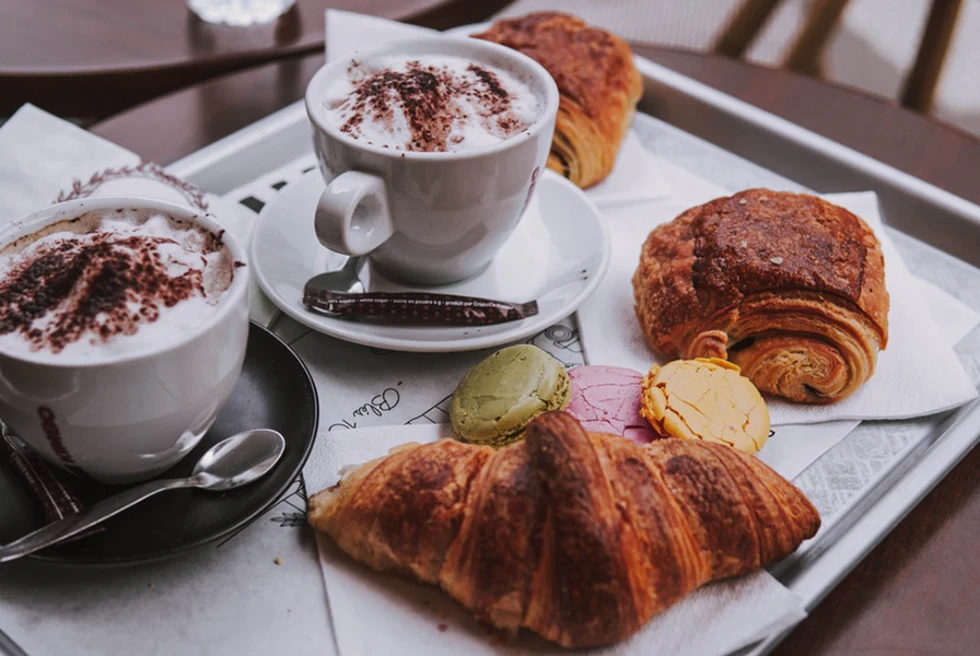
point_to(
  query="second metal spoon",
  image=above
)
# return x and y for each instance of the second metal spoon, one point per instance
(236, 461)
(346, 279)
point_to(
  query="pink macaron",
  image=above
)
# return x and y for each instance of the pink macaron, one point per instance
(607, 400)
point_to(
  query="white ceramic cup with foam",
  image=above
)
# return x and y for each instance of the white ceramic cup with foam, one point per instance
(429, 217)
(125, 418)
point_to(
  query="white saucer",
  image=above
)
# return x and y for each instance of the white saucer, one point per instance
(557, 256)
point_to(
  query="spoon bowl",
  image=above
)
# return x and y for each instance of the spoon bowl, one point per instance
(346, 279)
(239, 460)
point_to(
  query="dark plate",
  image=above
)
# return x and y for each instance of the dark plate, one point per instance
(274, 391)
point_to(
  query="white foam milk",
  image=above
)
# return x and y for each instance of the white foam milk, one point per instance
(182, 251)
(456, 104)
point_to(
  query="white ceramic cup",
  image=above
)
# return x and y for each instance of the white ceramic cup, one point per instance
(127, 418)
(428, 217)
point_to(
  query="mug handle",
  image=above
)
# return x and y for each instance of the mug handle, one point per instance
(352, 215)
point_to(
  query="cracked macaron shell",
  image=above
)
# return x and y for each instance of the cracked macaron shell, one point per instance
(499, 397)
(607, 400)
(705, 399)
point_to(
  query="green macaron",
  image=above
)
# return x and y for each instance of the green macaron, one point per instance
(499, 397)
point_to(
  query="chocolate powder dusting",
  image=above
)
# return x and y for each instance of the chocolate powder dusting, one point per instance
(491, 83)
(102, 286)
(431, 99)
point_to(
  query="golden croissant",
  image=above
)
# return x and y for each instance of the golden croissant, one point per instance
(598, 83)
(579, 537)
(787, 286)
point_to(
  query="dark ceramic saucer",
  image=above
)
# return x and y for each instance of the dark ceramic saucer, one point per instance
(274, 391)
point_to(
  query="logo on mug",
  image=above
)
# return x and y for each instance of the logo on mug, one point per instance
(530, 189)
(53, 435)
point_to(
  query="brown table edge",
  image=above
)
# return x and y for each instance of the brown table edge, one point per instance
(114, 89)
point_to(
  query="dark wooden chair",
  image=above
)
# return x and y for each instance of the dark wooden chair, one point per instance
(824, 16)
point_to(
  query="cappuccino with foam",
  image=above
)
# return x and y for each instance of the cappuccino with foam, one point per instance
(430, 103)
(109, 284)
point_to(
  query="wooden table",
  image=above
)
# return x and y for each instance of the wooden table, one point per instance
(92, 58)
(919, 590)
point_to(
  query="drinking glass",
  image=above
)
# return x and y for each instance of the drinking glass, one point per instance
(239, 12)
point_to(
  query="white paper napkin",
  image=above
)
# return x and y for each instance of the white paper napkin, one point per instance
(44, 159)
(792, 448)
(418, 619)
(918, 374)
(636, 176)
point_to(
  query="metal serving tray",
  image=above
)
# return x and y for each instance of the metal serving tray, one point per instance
(869, 481)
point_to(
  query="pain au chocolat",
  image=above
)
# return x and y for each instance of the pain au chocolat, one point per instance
(787, 286)
(597, 81)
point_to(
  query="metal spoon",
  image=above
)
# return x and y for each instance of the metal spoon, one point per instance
(236, 461)
(346, 279)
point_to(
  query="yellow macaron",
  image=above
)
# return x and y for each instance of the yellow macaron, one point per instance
(705, 399)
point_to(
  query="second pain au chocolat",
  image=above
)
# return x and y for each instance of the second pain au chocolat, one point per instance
(597, 81)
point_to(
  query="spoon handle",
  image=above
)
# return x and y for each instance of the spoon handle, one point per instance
(75, 524)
